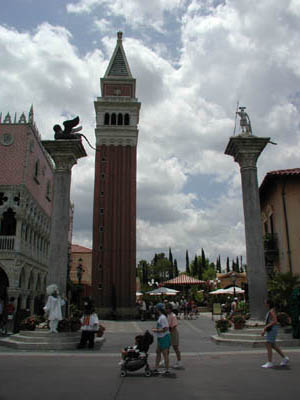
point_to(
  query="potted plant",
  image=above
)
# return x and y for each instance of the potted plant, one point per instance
(238, 321)
(222, 325)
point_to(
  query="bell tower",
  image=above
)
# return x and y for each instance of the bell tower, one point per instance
(114, 220)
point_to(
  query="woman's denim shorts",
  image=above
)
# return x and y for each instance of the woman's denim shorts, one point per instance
(271, 336)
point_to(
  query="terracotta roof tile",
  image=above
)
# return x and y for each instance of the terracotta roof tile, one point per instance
(292, 171)
(76, 248)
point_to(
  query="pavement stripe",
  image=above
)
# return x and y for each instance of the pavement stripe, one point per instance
(109, 355)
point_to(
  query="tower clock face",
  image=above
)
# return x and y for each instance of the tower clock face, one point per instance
(117, 90)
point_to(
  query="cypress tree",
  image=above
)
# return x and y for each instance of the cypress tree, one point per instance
(176, 273)
(218, 265)
(227, 265)
(237, 265)
(187, 263)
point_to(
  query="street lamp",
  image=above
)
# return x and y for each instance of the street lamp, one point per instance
(80, 272)
(234, 279)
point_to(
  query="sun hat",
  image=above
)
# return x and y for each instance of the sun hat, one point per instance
(160, 306)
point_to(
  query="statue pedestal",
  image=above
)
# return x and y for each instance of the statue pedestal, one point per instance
(65, 154)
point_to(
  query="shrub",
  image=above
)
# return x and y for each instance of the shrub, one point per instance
(222, 324)
(238, 319)
(283, 319)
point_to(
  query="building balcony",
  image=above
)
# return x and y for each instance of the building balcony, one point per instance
(12, 244)
(271, 246)
(7, 243)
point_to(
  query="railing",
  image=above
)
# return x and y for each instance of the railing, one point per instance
(271, 242)
(7, 242)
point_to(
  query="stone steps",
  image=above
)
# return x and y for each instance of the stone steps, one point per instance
(251, 337)
(40, 340)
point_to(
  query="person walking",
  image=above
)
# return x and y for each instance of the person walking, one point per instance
(271, 328)
(173, 323)
(163, 338)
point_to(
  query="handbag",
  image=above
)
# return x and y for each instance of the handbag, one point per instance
(100, 330)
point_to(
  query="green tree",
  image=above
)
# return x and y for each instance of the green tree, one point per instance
(187, 263)
(218, 266)
(280, 289)
(176, 272)
(171, 270)
(209, 273)
(227, 265)
(160, 267)
(237, 265)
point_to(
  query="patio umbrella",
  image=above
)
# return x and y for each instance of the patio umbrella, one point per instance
(139, 294)
(183, 279)
(219, 291)
(233, 289)
(163, 290)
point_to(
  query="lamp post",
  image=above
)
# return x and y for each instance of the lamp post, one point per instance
(234, 279)
(80, 272)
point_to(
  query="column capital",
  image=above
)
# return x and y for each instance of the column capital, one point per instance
(64, 153)
(245, 149)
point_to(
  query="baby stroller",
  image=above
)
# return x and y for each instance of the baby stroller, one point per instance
(138, 358)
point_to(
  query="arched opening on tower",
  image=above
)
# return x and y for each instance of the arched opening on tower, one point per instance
(106, 119)
(8, 223)
(113, 119)
(120, 119)
(127, 119)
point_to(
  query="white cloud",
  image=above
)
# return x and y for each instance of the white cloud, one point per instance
(136, 13)
(226, 51)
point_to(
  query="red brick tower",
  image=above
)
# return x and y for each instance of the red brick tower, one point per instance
(114, 223)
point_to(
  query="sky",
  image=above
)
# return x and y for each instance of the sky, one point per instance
(193, 60)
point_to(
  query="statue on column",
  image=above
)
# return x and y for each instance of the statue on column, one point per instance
(244, 121)
(69, 131)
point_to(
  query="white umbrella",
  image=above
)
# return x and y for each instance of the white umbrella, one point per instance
(233, 289)
(139, 294)
(163, 290)
(219, 291)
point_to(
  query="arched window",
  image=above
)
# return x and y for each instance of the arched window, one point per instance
(113, 119)
(8, 224)
(106, 119)
(120, 119)
(48, 190)
(36, 171)
(127, 119)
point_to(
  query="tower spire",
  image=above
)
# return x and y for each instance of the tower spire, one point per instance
(118, 66)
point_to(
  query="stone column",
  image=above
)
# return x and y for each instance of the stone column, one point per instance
(65, 154)
(245, 150)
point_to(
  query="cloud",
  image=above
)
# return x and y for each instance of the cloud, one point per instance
(134, 12)
(189, 191)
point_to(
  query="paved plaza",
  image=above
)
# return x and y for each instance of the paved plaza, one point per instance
(211, 371)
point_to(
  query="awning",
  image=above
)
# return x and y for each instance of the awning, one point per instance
(163, 290)
(183, 279)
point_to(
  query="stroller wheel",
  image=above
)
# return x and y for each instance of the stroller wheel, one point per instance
(123, 373)
(148, 373)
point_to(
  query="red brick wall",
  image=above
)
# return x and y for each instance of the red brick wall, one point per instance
(125, 90)
(118, 256)
(17, 163)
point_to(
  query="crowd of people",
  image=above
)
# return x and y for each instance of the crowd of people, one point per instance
(166, 330)
(183, 308)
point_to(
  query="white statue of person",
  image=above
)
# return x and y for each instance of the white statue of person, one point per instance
(53, 307)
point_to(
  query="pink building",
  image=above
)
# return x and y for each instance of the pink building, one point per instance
(26, 186)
